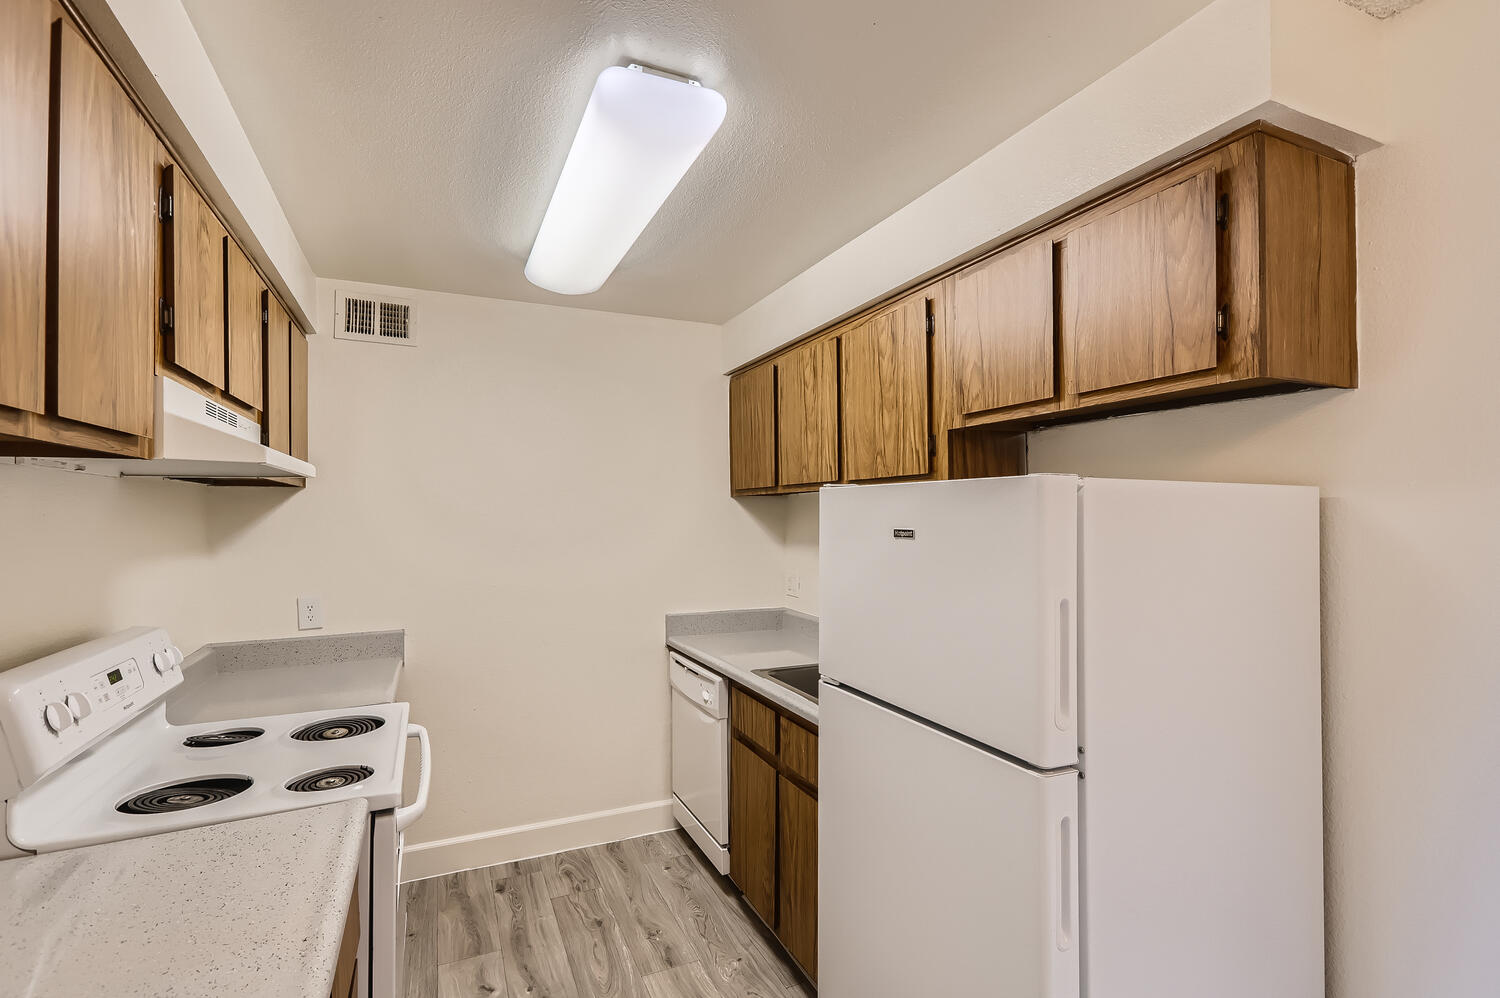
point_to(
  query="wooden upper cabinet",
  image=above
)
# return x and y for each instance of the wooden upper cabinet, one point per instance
(1309, 262)
(106, 240)
(1001, 330)
(195, 282)
(884, 386)
(797, 875)
(807, 413)
(1139, 289)
(298, 402)
(25, 29)
(276, 418)
(752, 428)
(244, 302)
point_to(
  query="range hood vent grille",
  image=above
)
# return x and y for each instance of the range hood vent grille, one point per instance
(214, 410)
(374, 320)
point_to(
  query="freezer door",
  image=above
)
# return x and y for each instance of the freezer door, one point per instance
(942, 868)
(956, 601)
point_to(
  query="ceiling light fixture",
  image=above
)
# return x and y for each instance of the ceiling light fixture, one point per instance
(641, 131)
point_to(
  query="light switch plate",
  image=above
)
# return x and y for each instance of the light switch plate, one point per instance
(793, 585)
(309, 613)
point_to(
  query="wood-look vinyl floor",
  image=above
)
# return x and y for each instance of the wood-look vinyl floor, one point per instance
(642, 918)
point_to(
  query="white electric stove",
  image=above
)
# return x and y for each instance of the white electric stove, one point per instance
(87, 756)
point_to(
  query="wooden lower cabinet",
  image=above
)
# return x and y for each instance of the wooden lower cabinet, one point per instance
(797, 866)
(773, 822)
(752, 828)
(346, 970)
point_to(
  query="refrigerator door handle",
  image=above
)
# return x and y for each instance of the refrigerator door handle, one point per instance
(1063, 714)
(1067, 915)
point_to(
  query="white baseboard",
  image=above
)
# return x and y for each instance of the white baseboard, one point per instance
(504, 845)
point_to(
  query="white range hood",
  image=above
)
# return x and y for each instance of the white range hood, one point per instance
(196, 437)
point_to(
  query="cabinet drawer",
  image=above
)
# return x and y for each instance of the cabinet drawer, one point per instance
(753, 720)
(799, 750)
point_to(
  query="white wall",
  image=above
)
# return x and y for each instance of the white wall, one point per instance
(1409, 465)
(528, 492)
(800, 554)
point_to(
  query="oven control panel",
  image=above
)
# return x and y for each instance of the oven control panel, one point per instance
(55, 707)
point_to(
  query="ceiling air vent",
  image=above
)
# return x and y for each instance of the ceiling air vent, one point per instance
(374, 319)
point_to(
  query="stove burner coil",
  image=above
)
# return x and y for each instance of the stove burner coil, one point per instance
(229, 736)
(335, 728)
(335, 778)
(182, 796)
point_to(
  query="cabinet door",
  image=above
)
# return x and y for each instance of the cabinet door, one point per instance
(1139, 289)
(797, 878)
(884, 382)
(276, 419)
(1002, 329)
(25, 27)
(299, 394)
(106, 245)
(195, 282)
(752, 428)
(752, 828)
(807, 413)
(242, 314)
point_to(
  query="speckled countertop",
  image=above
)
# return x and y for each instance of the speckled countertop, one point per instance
(734, 643)
(228, 681)
(252, 907)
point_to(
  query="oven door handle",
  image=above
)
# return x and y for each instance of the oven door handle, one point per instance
(411, 812)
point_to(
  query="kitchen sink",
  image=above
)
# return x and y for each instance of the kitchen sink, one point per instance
(801, 679)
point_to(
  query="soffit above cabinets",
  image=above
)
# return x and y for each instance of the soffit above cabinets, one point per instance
(417, 145)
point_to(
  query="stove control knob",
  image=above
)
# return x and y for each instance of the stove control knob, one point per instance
(78, 705)
(176, 654)
(163, 662)
(56, 717)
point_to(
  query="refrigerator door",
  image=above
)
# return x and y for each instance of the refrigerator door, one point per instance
(943, 869)
(956, 601)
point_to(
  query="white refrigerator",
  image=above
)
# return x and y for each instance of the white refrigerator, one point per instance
(1070, 738)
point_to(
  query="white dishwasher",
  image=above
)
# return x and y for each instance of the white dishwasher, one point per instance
(700, 757)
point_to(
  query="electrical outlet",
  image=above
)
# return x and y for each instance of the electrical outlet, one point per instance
(793, 585)
(309, 613)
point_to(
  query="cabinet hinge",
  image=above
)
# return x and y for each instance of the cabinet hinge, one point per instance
(1221, 321)
(164, 205)
(1221, 214)
(931, 324)
(166, 316)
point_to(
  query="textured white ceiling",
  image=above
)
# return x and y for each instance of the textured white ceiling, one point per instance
(1382, 8)
(417, 143)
